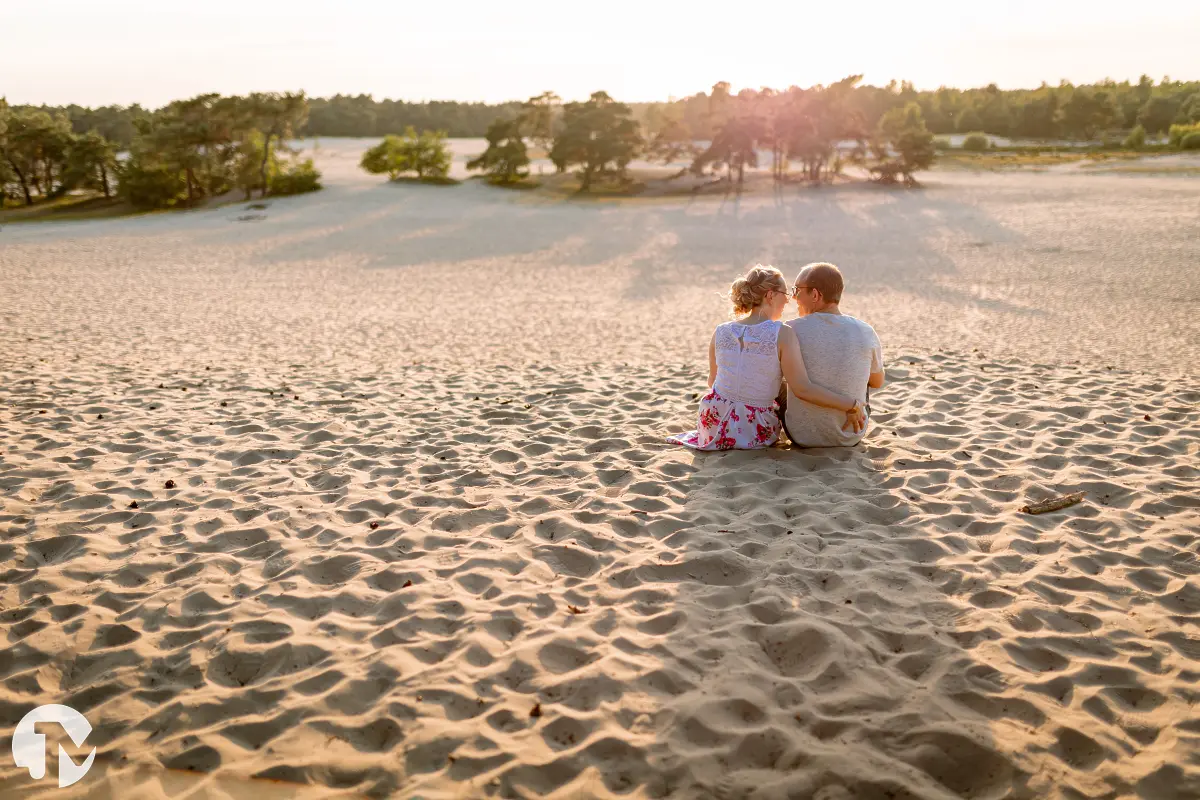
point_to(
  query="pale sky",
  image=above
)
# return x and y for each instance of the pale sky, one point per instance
(95, 52)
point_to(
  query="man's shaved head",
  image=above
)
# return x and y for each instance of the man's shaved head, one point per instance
(825, 278)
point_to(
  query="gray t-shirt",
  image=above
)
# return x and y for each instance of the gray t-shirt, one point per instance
(840, 353)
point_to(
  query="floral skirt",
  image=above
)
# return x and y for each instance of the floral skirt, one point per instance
(727, 425)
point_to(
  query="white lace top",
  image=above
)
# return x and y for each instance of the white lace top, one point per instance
(748, 362)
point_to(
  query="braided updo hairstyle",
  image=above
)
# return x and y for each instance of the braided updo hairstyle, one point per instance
(748, 291)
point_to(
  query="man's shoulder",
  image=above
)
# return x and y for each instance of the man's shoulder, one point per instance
(824, 321)
(863, 326)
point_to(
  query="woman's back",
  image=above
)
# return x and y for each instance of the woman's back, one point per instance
(748, 362)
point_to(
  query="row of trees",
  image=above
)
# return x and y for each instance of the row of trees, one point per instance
(1065, 111)
(1079, 112)
(801, 126)
(41, 157)
(187, 151)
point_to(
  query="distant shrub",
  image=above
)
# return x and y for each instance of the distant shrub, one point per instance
(1136, 139)
(425, 154)
(1180, 132)
(941, 144)
(1191, 141)
(296, 178)
(976, 142)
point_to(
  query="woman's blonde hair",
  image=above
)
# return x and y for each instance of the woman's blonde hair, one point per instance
(748, 291)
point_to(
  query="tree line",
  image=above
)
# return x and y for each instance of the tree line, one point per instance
(726, 133)
(1064, 111)
(207, 145)
(185, 152)
(601, 137)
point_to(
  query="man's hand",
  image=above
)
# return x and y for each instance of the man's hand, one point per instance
(856, 419)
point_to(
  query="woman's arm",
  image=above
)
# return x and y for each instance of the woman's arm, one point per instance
(712, 360)
(876, 380)
(792, 362)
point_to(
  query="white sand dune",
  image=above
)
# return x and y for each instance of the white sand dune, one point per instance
(424, 537)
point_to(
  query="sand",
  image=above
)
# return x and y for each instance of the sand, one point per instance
(425, 538)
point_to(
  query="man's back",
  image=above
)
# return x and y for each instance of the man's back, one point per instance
(840, 353)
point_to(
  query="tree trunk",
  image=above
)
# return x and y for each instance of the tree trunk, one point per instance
(104, 180)
(24, 183)
(187, 176)
(587, 179)
(266, 160)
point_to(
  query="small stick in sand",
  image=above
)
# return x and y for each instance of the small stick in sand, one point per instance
(1053, 504)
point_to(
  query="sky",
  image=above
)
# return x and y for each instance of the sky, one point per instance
(126, 51)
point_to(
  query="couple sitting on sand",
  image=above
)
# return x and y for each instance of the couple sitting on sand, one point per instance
(828, 360)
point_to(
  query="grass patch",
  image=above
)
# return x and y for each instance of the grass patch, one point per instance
(520, 185)
(997, 159)
(72, 206)
(1151, 169)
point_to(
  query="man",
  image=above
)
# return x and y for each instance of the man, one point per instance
(841, 353)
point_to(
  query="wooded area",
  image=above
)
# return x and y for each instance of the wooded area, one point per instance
(183, 153)
(1063, 111)
(208, 145)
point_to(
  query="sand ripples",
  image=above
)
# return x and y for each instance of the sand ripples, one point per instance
(508, 584)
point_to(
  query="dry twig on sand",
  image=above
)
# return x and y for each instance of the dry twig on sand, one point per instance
(1053, 504)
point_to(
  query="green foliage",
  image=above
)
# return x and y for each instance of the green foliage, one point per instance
(907, 145)
(1136, 139)
(34, 146)
(539, 119)
(1178, 133)
(669, 140)
(150, 183)
(969, 120)
(425, 154)
(278, 116)
(505, 160)
(1088, 113)
(247, 164)
(1157, 114)
(599, 135)
(811, 122)
(1032, 113)
(1190, 141)
(91, 163)
(736, 144)
(362, 115)
(941, 144)
(1037, 115)
(1189, 110)
(296, 178)
(386, 158)
(976, 143)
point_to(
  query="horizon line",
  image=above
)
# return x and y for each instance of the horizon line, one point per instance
(1107, 81)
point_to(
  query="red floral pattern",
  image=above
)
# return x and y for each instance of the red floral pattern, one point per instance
(719, 426)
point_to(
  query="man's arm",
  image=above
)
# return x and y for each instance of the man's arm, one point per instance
(876, 379)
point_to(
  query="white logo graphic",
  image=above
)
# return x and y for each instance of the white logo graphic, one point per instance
(29, 746)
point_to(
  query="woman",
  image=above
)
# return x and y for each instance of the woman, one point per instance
(747, 360)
